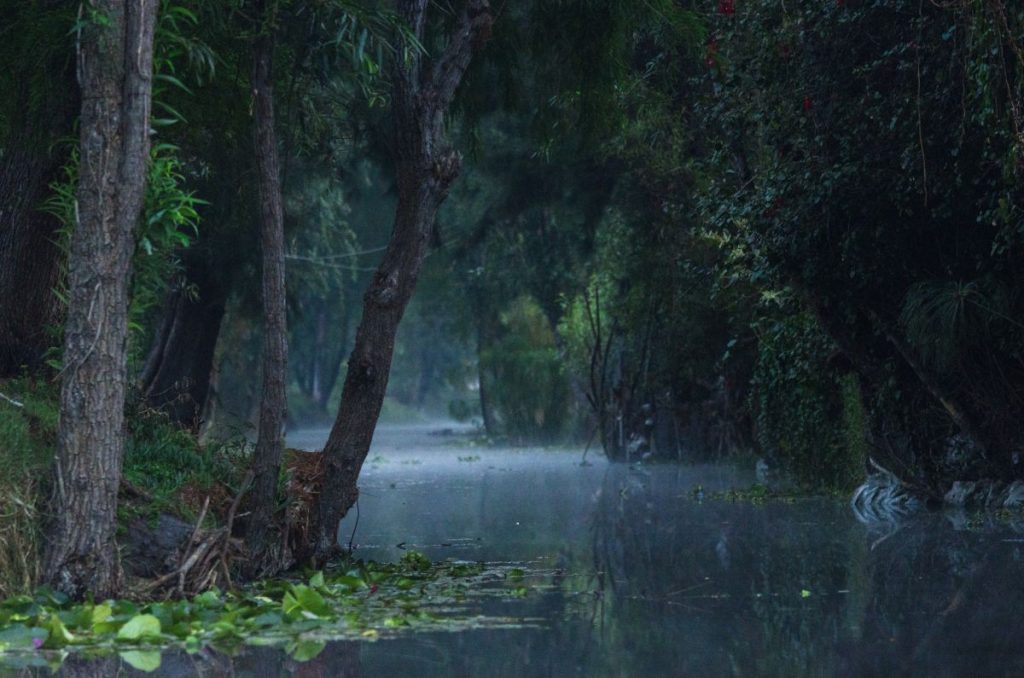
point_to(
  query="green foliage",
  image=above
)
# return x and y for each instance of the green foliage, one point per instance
(164, 460)
(28, 429)
(170, 222)
(531, 391)
(808, 417)
(353, 599)
(170, 219)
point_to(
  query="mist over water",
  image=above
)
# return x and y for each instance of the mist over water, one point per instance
(643, 571)
(647, 571)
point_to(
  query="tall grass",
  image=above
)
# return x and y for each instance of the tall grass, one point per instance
(166, 463)
(28, 425)
(20, 535)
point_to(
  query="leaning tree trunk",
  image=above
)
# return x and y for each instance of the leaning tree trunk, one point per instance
(115, 70)
(266, 462)
(425, 167)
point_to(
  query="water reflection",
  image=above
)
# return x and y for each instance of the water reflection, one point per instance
(639, 576)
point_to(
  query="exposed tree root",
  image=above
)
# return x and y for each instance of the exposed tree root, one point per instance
(211, 557)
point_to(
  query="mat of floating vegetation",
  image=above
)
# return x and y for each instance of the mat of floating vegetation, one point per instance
(354, 600)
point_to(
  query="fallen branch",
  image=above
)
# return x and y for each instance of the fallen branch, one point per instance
(207, 554)
(11, 400)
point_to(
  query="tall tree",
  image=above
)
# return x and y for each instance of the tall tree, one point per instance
(266, 461)
(425, 167)
(115, 69)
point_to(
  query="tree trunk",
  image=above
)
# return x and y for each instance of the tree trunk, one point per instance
(266, 462)
(176, 377)
(115, 69)
(425, 168)
(29, 255)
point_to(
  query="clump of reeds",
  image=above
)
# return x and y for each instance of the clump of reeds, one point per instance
(19, 534)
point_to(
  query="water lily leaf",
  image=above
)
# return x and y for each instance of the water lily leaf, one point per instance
(59, 634)
(22, 637)
(304, 650)
(146, 661)
(139, 627)
(101, 614)
(350, 581)
(266, 620)
(209, 599)
(311, 601)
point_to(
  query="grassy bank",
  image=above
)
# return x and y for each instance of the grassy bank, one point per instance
(28, 428)
(165, 471)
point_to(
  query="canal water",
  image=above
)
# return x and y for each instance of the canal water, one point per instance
(651, 571)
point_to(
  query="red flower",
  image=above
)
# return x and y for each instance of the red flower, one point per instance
(373, 589)
(808, 104)
(727, 7)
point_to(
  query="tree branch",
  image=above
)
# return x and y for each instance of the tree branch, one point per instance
(474, 29)
(409, 66)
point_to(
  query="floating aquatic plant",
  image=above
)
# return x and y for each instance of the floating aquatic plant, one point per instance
(354, 599)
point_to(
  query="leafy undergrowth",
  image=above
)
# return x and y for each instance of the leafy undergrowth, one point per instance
(355, 599)
(174, 473)
(165, 470)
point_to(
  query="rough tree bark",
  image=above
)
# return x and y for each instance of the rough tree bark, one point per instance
(266, 461)
(115, 71)
(425, 167)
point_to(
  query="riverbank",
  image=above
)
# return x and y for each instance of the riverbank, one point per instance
(168, 479)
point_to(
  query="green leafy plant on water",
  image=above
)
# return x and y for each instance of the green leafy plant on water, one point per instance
(355, 599)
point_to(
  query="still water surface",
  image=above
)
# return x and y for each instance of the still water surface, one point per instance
(642, 572)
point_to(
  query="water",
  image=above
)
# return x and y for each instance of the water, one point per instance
(642, 572)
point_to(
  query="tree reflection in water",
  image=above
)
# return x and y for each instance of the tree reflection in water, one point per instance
(633, 575)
